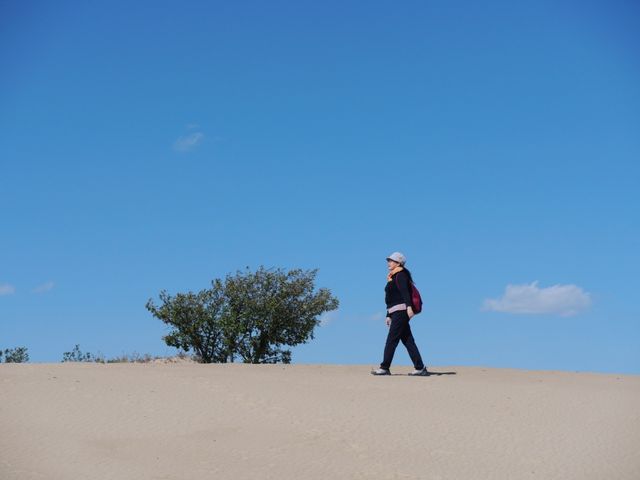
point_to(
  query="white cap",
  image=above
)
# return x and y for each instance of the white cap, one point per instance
(397, 257)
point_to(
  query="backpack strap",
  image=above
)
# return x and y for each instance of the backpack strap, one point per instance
(410, 288)
(398, 285)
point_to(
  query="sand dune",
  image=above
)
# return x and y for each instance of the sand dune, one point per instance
(187, 421)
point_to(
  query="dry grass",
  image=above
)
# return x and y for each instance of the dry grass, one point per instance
(136, 357)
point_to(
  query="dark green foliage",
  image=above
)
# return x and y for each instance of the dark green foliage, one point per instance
(197, 320)
(251, 316)
(271, 310)
(77, 356)
(16, 355)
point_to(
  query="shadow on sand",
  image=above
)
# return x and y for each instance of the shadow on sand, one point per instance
(435, 374)
(431, 374)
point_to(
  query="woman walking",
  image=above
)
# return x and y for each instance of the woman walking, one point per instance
(399, 312)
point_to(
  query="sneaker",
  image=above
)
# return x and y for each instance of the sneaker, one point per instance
(419, 373)
(380, 371)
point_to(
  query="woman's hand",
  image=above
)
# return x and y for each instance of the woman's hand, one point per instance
(410, 312)
(388, 322)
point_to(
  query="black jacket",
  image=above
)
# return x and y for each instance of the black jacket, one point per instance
(398, 290)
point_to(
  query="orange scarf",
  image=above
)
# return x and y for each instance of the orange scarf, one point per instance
(393, 272)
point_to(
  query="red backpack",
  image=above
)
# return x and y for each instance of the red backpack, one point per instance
(416, 299)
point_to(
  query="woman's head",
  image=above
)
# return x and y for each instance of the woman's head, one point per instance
(396, 259)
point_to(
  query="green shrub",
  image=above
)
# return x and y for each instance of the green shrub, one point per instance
(76, 355)
(16, 355)
(250, 316)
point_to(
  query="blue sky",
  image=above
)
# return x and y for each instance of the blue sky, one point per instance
(160, 145)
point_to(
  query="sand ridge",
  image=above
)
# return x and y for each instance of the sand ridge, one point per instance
(183, 420)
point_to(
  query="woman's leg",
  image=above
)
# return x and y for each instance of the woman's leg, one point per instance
(412, 348)
(399, 320)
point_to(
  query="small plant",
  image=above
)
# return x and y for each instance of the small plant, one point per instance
(123, 358)
(16, 355)
(76, 355)
(99, 358)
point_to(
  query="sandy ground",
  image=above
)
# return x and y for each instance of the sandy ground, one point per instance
(188, 421)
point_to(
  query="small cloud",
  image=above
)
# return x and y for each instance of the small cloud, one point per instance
(563, 300)
(188, 142)
(6, 289)
(377, 316)
(45, 287)
(192, 126)
(327, 317)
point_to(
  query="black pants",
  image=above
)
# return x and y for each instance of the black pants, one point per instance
(400, 330)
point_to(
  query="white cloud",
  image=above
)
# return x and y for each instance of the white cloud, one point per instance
(6, 289)
(377, 316)
(45, 287)
(563, 300)
(188, 142)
